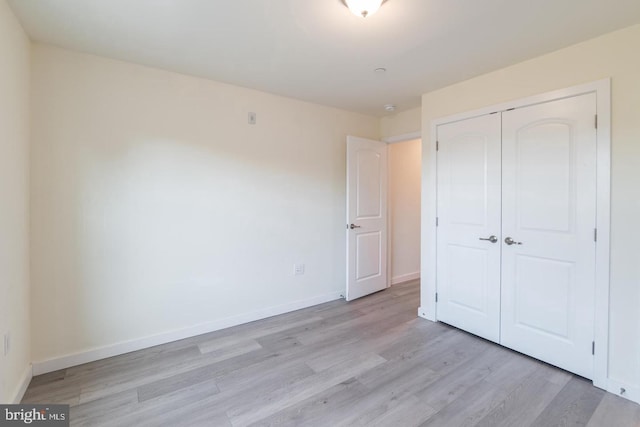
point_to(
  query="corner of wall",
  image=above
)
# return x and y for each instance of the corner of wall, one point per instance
(406, 122)
(15, 49)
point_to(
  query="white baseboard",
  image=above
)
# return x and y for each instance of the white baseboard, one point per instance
(423, 313)
(631, 392)
(91, 355)
(23, 385)
(405, 278)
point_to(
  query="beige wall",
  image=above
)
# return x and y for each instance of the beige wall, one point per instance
(157, 208)
(401, 123)
(14, 202)
(404, 209)
(615, 55)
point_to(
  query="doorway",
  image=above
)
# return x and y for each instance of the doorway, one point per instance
(405, 160)
(517, 213)
(383, 213)
(552, 196)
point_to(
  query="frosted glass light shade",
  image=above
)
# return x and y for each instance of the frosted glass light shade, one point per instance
(364, 8)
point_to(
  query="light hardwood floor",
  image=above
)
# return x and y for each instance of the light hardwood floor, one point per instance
(370, 362)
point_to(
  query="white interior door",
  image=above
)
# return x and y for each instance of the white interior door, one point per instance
(468, 233)
(366, 217)
(549, 202)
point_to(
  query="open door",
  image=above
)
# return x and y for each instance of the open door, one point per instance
(366, 217)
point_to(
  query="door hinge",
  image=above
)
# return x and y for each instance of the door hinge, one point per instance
(595, 234)
(437, 221)
(436, 297)
(593, 348)
(437, 145)
(596, 121)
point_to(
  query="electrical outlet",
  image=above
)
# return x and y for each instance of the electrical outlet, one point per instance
(298, 269)
(252, 118)
(7, 343)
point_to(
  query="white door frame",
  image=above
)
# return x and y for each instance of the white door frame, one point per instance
(602, 89)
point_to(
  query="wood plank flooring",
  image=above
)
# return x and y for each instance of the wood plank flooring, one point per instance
(370, 362)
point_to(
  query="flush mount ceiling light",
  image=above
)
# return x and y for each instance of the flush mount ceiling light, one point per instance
(363, 8)
(390, 108)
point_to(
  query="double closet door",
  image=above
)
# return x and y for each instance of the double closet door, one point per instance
(516, 229)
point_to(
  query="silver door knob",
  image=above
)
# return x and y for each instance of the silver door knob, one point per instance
(352, 226)
(492, 239)
(509, 241)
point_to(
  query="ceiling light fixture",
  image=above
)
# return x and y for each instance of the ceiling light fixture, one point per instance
(363, 8)
(390, 108)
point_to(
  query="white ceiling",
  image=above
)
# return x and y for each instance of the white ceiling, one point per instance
(316, 50)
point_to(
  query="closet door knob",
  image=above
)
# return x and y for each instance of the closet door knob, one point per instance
(492, 239)
(509, 241)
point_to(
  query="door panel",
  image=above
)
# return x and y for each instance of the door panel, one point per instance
(367, 211)
(461, 295)
(545, 177)
(368, 191)
(468, 278)
(369, 255)
(532, 293)
(467, 177)
(549, 200)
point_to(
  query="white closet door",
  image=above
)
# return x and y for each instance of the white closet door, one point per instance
(468, 268)
(549, 202)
